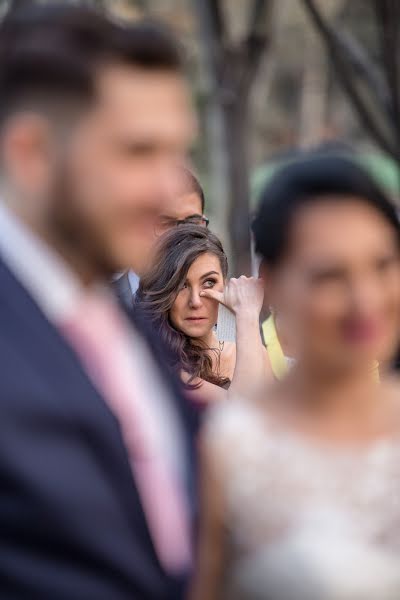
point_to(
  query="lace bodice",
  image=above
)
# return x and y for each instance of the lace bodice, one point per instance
(306, 521)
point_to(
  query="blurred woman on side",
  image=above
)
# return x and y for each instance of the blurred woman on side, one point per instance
(180, 296)
(301, 483)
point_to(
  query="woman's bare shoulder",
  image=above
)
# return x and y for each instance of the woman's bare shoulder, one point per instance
(390, 388)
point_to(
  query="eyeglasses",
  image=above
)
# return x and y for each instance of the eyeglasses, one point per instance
(165, 224)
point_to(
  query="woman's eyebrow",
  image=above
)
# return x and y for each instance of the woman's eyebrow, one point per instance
(209, 273)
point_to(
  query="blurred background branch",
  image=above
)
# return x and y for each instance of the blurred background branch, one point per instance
(233, 65)
(271, 78)
(371, 87)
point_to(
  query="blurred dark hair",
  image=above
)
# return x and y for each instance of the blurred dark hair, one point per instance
(312, 180)
(176, 252)
(192, 184)
(52, 53)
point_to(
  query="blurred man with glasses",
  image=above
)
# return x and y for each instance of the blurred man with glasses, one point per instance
(185, 204)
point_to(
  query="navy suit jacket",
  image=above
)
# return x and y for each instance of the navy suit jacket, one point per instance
(71, 522)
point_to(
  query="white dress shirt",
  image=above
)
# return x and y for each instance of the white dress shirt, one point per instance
(43, 273)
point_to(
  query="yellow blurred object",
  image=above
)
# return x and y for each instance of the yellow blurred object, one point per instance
(279, 362)
(275, 353)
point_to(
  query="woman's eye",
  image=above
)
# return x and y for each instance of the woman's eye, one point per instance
(385, 263)
(209, 283)
(326, 277)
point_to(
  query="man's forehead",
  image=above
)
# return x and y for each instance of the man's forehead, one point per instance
(149, 99)
(182, 205)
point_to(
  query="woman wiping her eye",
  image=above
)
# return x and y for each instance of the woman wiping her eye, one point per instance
(180, 295)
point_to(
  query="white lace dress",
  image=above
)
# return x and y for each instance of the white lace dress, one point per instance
(306, 521)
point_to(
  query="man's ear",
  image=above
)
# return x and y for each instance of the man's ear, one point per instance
(27, 153)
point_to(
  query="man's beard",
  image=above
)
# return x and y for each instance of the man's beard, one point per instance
(74, 234)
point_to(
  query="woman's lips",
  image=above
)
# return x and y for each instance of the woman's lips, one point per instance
(361, 331)
(195, 319)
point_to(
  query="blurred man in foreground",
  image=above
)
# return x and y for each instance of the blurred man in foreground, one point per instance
(94, 444)
(185, 203)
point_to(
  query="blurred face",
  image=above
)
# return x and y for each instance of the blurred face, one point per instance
(338, 289)
(177, 206)
(192, 314)
(107, 181)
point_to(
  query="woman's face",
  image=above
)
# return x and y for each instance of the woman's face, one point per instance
(191, 313)
(338, 289)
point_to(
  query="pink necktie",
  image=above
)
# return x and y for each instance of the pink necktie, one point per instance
(99, 336)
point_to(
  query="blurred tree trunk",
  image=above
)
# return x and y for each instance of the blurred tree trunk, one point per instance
(232, 67)
(18, 5)
(372, 86)
(313, 94)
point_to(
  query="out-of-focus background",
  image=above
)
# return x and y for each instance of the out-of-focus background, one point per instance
(271, 78)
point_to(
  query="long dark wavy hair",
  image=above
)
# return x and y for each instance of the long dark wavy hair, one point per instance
(176, 252)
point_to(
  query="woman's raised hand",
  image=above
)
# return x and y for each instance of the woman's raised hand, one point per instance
(242, 296)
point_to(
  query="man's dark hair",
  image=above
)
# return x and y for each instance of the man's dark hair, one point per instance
(192, 185)
(313, 179)
(52, 53)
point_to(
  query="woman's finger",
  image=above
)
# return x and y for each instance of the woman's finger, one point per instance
(214, 295)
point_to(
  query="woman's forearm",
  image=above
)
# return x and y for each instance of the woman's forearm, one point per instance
(250, 367)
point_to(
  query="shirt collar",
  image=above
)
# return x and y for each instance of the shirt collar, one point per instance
(42, 272)
(134, 280)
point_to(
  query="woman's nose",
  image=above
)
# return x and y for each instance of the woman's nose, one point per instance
(195, 299)
(365, 295)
